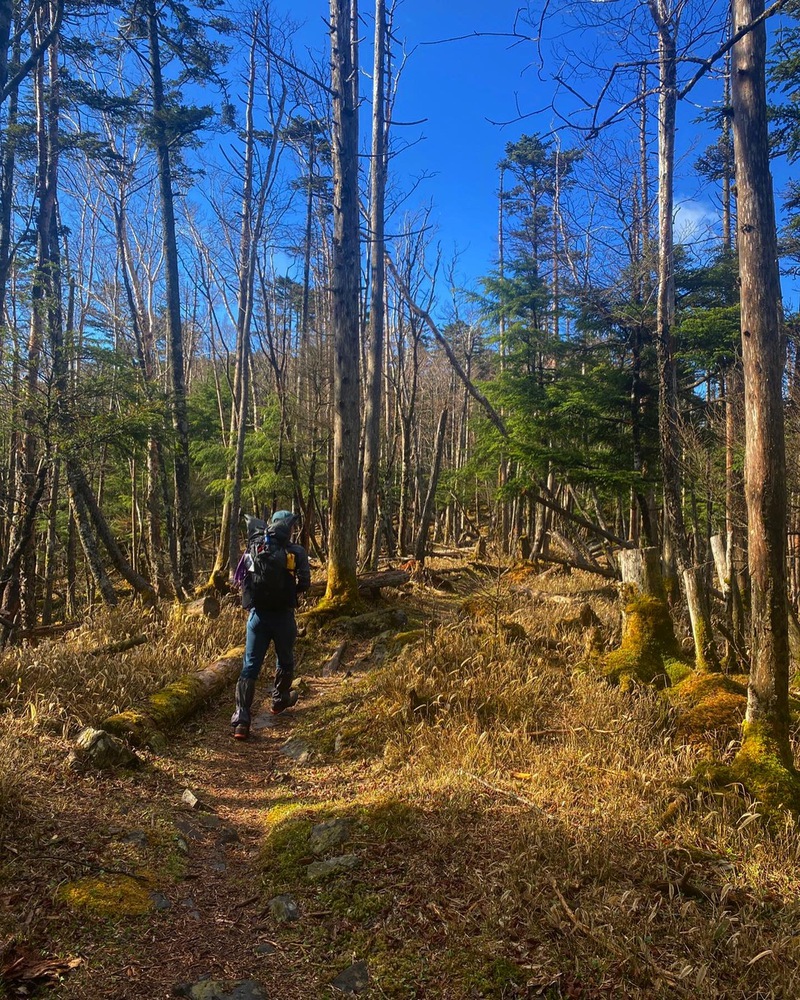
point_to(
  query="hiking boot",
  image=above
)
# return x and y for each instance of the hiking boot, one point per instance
(241, 732)
(281, 706)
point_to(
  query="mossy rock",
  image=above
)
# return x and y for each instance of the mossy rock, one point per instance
(286, 847)
(403, 639)
(109, 896)
(374, 622)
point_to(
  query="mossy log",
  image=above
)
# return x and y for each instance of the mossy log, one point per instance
(146, 726)
(369, 582)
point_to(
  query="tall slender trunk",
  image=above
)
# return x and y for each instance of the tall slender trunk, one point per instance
(763, 352)
(345, 279)
(372, 412)
(668, 421)
(430, 497)
(183, 509)
(244, 311)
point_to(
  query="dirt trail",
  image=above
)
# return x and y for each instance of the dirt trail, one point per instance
(212, 922)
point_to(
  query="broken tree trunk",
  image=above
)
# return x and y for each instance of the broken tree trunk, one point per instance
(203, 607)
(649, 648)
(146, 726)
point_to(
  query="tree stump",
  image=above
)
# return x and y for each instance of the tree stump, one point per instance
(649, 652)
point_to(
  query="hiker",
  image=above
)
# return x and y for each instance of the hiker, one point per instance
(271, 573)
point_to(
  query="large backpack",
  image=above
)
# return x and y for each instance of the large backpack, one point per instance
(266, 571)
(272, 582)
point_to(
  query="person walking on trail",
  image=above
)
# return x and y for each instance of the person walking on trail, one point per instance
(271, 573)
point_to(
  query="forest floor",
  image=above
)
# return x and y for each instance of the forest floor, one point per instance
(495, 815)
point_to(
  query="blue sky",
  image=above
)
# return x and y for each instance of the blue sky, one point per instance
(462, 88)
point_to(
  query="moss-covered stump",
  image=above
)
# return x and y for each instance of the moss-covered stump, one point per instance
(649, 652)
(709, 703)
(762, 766)
(145, 727)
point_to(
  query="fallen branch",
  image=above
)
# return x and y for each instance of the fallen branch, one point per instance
(603, 571)
(118, 647)
(505, 791)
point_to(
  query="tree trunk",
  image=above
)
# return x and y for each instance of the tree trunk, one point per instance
(345, 279)
(766, 729)
(372, 411)
(668, 423)
(183, 509)
(430, 497)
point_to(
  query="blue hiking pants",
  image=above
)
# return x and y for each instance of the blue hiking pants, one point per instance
(263, 628)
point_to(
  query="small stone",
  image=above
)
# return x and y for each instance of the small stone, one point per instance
(160, 901)
(103, 751)
(284, 909)
(353, 980)
(265, 948)
(300, 685)
(227, 835)
(186, 828)
(190, 799)
(218, 866)
(338, 743)
(181, 844)
(138, 838)
(297, 749)
(329, 834)
(318, 870)
(210, 822)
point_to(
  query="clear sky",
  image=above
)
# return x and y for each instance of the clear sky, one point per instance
(463, 88)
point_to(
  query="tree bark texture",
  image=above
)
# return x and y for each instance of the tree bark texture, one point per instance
(345, 281)
(763, 352)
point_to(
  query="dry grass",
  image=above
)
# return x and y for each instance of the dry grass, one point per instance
(57, 687)
(511, 812)
(544, 792)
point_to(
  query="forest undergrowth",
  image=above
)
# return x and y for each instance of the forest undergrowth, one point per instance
(515, 814)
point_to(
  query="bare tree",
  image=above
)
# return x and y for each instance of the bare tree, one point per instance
(345, 280)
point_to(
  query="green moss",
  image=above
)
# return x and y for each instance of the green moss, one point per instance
(108, 896)
(354, 900)
(402, 639)
(677, 670)
(648, 644)
(708, 702)
(763, 766)
(285, 852)
(172, 703)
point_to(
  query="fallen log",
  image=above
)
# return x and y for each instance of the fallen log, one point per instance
(47, 631)
(369, 581)
(609, 574)
(146, 726)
